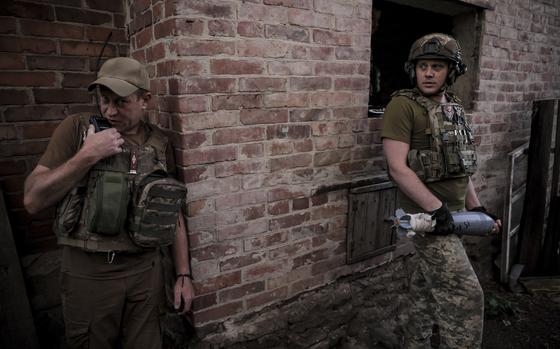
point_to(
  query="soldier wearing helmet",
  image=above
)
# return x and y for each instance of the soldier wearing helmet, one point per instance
(430, 152)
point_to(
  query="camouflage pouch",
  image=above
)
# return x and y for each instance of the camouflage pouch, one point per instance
(108, 203)
(156, 206)
(68, 212)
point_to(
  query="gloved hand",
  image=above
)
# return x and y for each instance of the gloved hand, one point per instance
(443, 219)
(483, 210)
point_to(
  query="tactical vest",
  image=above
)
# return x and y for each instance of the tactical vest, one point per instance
(126, 202)
(452, 150)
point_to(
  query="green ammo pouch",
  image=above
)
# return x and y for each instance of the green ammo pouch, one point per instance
(156, 207)
(68, 211)
(109, 202)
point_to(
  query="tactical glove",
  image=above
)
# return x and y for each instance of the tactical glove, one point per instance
(483, 210)
(443, 220)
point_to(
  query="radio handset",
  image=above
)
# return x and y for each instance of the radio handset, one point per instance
(98, 121)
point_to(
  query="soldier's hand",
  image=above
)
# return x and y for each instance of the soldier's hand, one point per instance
(444, 220)
(102, 144)
(497, 221)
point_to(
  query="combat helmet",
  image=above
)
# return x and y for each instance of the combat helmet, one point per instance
(436, 46)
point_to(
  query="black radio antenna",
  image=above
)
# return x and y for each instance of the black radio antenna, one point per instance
(97, 71)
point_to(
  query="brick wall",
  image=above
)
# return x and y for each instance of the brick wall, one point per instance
(48, 54)
(267, 101)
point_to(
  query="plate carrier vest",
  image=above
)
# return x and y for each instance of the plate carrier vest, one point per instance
(452, 150)
(101, 214)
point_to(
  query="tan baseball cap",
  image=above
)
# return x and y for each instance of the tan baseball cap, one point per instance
(122, 75)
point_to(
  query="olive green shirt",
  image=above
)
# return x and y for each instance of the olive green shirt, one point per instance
(406, 121)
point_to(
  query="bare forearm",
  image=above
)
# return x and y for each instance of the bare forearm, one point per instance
(471, 199)
(409, 183)
(45, 187)
(181, 248)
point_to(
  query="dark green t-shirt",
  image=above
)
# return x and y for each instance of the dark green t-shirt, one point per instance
(406, 121)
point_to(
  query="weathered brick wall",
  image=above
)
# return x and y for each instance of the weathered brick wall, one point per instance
(518, 64)
(268, 101)
(48, 55)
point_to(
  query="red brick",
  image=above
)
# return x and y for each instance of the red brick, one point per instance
(155, 52)
(206, 156)
(353, 167)
(241, 291)
(351, 84)
(290, 68)
(78, 48)
(260, 271)
(217, 283)
(322, 53)
(201, 85)
(21, 149)
(194, 174)
(235, 67)
(288, 131)
(217, 313)
(320, 199)
(240, 199)
(279, 207)
(326, 37)
(77, 79)
(221, 28)
(62, 95)
(300, 52)
(27, 79)
(38, 130)
(33, 113)
(339, 8)
(8, 133)
(205, 301)
(255, 212)
(183, 104)
(214, 9)
(101, 34)
(178, 26)
(280, 100)
(238, 135)
(262, 13)
(237, 262)
(141, 21)
(106, 5)
(283, 194)
(287, 162)
(242, 101)
(214, 251)
(290, 250)
(350, 113)
(31, 45)
(310, 83)
(158, 11)
(300, 115)
(263, 116)
(220, 118)
(348, 53)
(263, 241)
(250, 29)
(60, 30)
(28, 10)
(300, 204)
(287, 32)
(13, 185)
(244, 229)
(179, 67)
(267, 297)
(334, 99)
(144, 37)
(56, 63)
(306, 4)
(330, 157)
(12, 61)
(190, 47)
(262, 48)
(310, 19)
(253, 150)
(8, 25)
(333, 68)
(78, 15)
(280, 147)
(262, 84)
(13, 97)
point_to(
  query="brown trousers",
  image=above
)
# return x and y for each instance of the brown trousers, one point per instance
(114, 313)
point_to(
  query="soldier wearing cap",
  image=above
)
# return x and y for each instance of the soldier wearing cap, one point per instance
(430, 152)
(112, 241)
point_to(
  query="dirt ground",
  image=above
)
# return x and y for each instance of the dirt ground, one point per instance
(520, 320)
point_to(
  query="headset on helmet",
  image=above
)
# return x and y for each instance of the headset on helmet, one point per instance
(436, 46)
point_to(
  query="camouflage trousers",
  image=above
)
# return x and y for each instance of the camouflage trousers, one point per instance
(444, 290)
